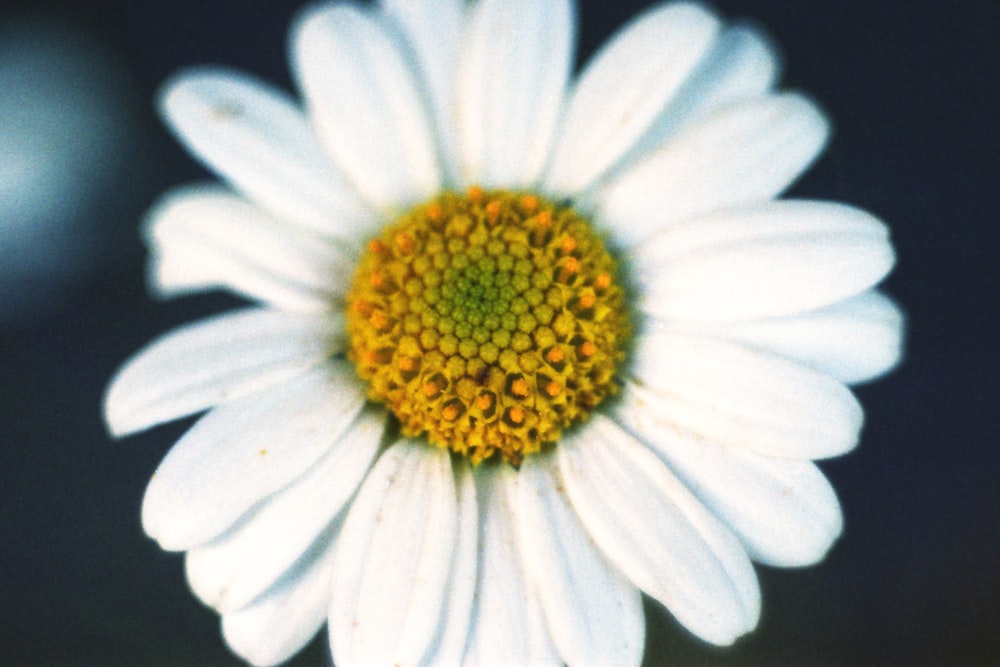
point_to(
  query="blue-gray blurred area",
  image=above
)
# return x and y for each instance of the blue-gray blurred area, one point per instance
(67, 124)
(914, 91)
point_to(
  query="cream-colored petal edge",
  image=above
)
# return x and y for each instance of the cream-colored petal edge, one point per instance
(215, 361)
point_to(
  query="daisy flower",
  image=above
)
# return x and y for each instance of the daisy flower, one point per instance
(526, 346)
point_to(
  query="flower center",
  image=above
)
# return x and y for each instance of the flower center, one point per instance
(488, 322)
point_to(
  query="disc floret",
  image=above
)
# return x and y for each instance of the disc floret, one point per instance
(488, 322)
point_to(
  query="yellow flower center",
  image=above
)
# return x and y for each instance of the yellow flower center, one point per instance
(488, 323)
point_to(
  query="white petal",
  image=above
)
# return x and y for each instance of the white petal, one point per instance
(257, 138)
(746, 153)
(737, 396)
(507, 625)
(172, 274)
(243, 451)
(214, 361)
(594, 614)
(434, 32)
(231, 570)
(283, 620)
(393, 559)
(512, 78)
(784, 512)
(624, 89)
(207, 237)
(741, 65)
(457, 611)
(855, 340)
(766, 260)
(363, 98)
(650, 526)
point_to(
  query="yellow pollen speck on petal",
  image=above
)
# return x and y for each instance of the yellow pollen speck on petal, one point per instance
(227, 110)
(462, 315)
(263, 452)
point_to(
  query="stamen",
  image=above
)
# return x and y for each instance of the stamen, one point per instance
(586, 301)
(493, 211)
(514, 416)
(519, 388)
(463, 315)
(404, 242)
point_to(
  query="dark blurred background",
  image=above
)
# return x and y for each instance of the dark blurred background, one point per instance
(914, 92)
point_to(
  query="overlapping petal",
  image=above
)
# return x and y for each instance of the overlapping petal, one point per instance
(215, 361)
(784, 512)
(767, 260)
(749, 152)
(507, 626)
(366, 104)
(734, 395)
(245, 450)
(393, 559)
(434, 32)
(206, 237)
(453, 633)
(650, 526)
(230, 571)
(855, 340)
(279, 623)
(513, 72)
(593, 613)
(256, 137)
(625, 88)
(741, 65)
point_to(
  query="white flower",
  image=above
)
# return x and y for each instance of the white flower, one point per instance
(299, 501)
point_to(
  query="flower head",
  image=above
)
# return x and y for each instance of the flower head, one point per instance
(525, 346)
